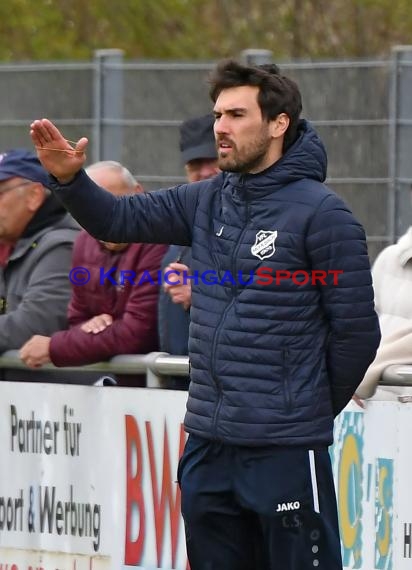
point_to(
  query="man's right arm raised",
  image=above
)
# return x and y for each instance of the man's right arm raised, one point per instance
(162, 216)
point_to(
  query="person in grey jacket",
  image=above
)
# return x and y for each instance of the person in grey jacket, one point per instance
(34, 281)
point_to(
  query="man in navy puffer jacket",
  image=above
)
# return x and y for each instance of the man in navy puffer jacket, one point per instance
(278, 342)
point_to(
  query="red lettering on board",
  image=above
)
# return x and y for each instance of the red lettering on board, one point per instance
(134, 493)
(170, 493)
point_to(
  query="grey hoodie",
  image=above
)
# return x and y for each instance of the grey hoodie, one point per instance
(35, 286)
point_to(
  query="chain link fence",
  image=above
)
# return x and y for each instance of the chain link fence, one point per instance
(131, 111)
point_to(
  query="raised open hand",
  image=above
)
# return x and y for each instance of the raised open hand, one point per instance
(57, 154)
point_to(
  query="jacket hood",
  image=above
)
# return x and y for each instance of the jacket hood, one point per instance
(306, 158)
(49, 213)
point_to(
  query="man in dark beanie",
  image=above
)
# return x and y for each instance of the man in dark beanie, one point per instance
(199, 156)
(38, 235)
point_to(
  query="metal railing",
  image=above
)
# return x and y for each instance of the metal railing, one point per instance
(362, 112)
(158, 364)
(397, 375)
(154, 365)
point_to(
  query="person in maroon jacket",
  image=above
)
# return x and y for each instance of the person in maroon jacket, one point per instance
(113, 308)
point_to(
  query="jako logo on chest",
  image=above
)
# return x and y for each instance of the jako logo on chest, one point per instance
(264, 245)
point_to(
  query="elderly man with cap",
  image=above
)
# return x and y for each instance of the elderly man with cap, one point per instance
(38, 235)
(199, 155)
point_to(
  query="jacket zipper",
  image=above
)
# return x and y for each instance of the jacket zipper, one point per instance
(222, 319)
(286, 380)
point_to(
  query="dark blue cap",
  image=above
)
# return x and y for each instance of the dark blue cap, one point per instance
(22, 163)
(197, 139)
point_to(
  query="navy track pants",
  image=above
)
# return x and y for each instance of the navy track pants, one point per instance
(258, 508)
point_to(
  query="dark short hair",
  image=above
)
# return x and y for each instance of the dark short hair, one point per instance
(277, 93)
(270, 68)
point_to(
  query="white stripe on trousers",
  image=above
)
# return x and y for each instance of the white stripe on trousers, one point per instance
(312, 466)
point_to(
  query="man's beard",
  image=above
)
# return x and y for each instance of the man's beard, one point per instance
(249, 158)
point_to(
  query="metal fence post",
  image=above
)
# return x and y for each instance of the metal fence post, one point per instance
(153, 379)
(255, 56)
(108, 105)
(400, 142)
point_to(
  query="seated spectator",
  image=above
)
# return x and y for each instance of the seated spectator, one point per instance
(107, 315)
(392, 281)
(392, 271)
(199, 155)
(37, 237)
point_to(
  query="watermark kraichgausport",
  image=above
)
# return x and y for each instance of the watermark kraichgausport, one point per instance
(263, 276)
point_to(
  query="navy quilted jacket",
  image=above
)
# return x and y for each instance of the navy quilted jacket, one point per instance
(273, 359)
